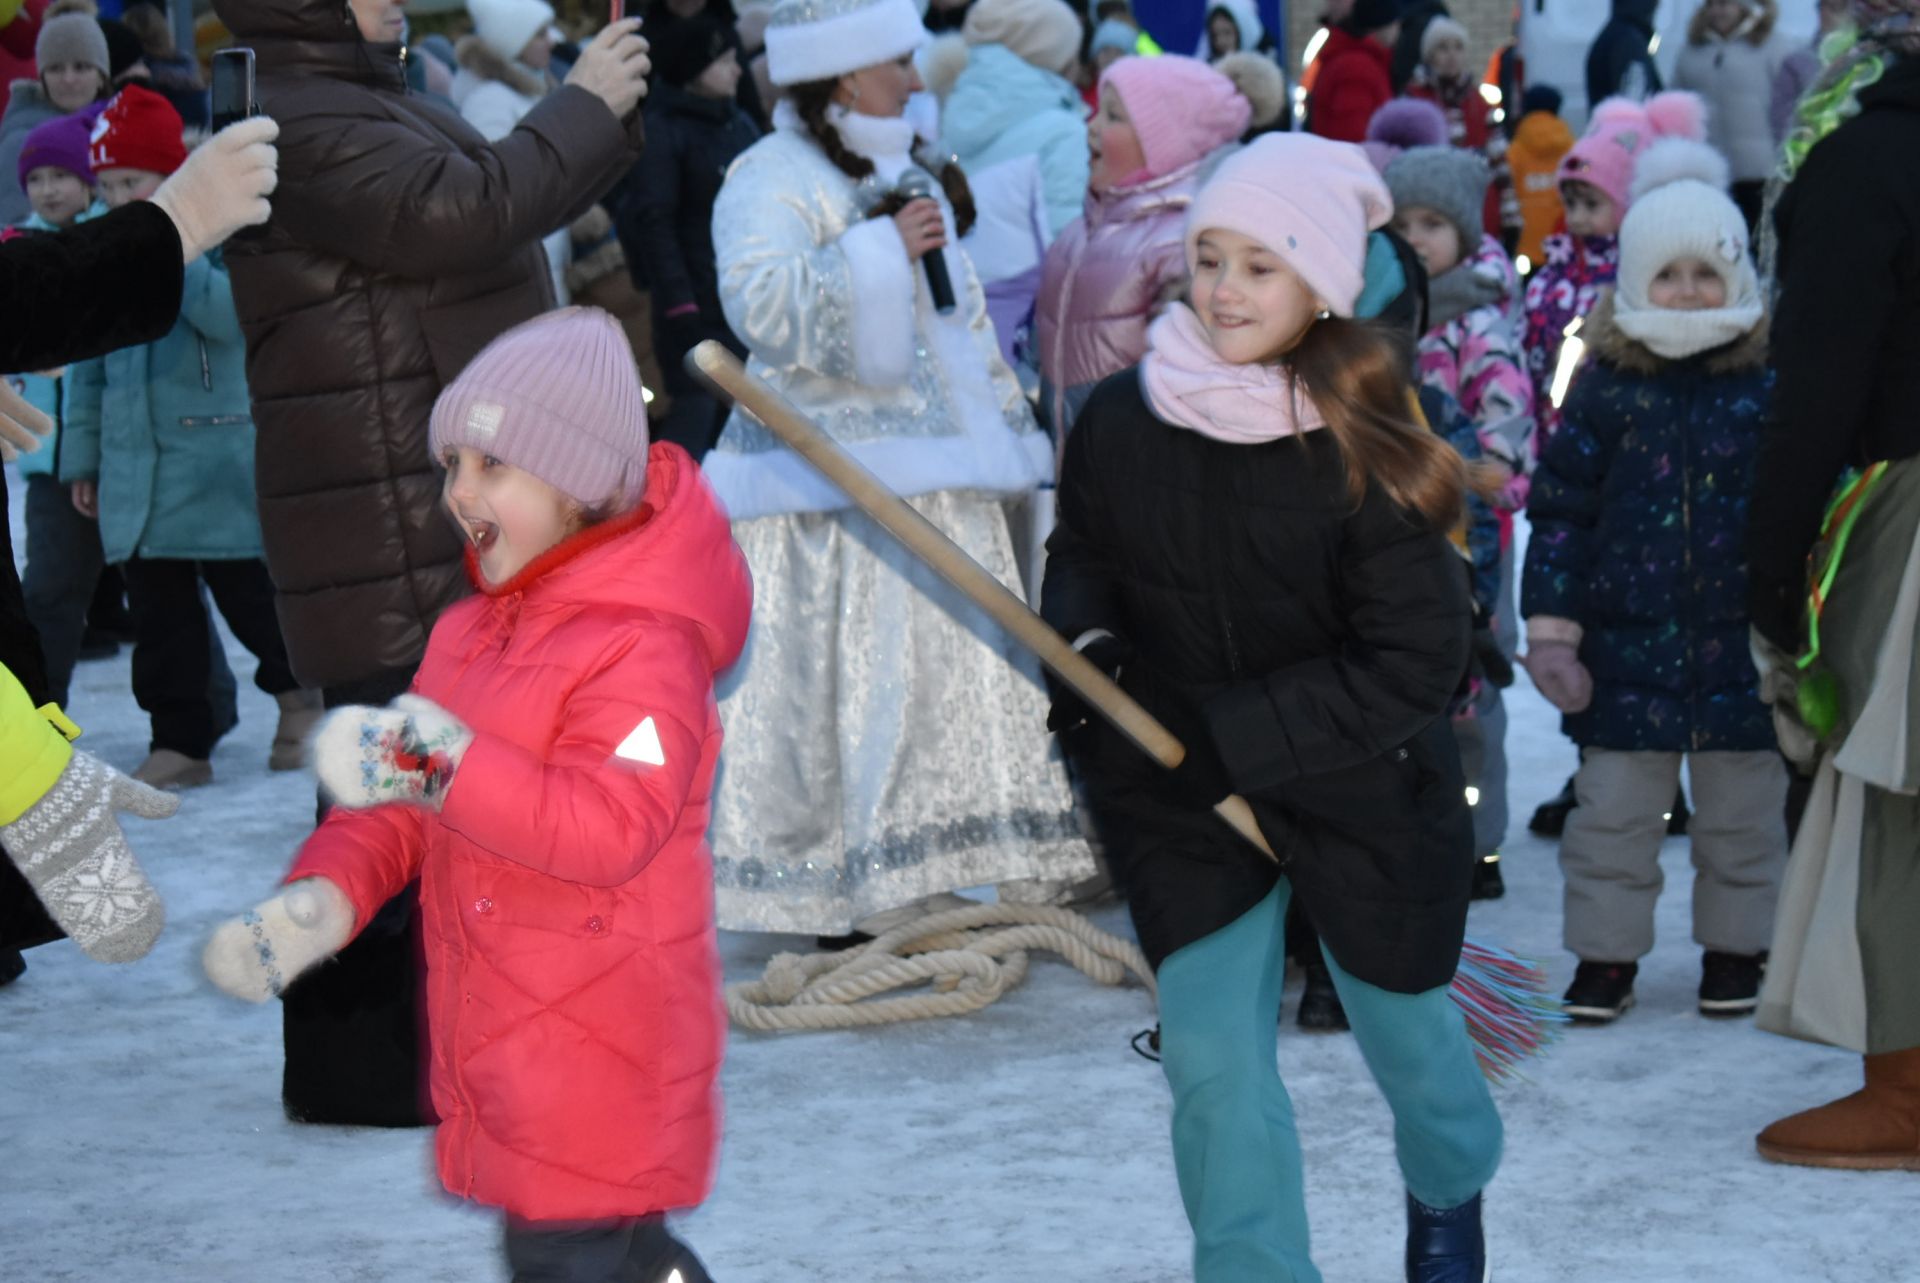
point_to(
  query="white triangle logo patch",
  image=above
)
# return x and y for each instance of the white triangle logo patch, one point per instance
(643, 746)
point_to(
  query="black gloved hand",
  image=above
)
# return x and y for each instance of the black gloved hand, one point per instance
(1492, 662)
(1069, 712)
(1200, 781)
(688, 330)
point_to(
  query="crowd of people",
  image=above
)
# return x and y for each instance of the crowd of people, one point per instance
(1258, 406)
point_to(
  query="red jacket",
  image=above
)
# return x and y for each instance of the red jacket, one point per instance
(566, 889)
(1350, 85)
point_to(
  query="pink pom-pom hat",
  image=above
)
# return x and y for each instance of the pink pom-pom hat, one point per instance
(1620, 130)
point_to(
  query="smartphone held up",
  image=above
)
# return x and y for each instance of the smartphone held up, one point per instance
(232, 90)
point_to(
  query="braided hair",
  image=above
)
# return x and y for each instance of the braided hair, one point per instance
(812, 100)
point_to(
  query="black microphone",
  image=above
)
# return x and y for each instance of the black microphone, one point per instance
(915, 184)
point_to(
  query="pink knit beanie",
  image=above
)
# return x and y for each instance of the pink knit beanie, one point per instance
(1620, 130)
(559, 397)
(1181, 108)
(1310, 200)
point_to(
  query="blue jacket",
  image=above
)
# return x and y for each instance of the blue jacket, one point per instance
(167, 430)
(41, 392)
(1002, 108)
(1639, 513)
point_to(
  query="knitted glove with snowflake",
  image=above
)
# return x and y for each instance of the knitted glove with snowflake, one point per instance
(405, 752)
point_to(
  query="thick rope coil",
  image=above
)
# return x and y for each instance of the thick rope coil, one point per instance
(969, 957)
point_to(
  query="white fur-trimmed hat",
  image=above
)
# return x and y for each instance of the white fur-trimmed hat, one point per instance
(821, 39)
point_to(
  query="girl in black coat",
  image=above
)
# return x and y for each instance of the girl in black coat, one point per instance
(1268, 573)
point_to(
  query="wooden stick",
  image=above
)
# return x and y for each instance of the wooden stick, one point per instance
(723, 370)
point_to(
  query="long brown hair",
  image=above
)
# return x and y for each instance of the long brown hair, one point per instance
(811, 100)
(1356, 375)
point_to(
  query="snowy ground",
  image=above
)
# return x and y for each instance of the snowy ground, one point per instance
(143, 1140)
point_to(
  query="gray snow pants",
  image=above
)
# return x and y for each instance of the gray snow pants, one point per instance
(1610, 853)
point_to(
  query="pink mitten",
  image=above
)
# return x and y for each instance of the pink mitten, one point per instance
(1556, 669)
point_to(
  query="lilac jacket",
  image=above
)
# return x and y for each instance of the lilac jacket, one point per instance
(1106, 276)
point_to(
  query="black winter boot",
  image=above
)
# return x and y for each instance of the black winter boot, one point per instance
(1550, 817)
(1600, 991)
(1487, 882)
(12, 966)
(1320, 1007)
(1446, 1246)
(1677, 818)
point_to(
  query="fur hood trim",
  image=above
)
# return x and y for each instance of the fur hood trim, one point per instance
(1609, 343)
(473, 56)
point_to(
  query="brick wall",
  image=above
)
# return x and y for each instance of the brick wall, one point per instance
(1488, 22)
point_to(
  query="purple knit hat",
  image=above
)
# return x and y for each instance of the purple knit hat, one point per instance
(559, 397)
(1181, 108)
(61, 143)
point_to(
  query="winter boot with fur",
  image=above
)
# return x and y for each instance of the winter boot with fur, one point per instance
(1875, 1129)
(1446, 1246)
(167, 768)
(300, 712)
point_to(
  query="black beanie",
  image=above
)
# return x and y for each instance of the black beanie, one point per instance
(123, 47)
(1540, 98)
(684, 47)
(1371, 15)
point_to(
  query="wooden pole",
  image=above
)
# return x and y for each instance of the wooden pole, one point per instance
(723, 370)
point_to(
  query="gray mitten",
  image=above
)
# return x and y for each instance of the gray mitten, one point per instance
(70, 848)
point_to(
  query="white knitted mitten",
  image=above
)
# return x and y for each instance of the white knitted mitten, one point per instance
(69, 846)
(224, 185)
(405, 752)
(258, 954)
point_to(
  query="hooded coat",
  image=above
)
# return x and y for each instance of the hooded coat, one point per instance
(1618, 61)
(401, 243)
(1003, 108)
(1349, 85)
(1533, 158)
(566, 888)
(1735, 75)
(1639, 510)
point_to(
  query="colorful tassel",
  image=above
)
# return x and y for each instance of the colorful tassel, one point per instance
(1511, 1013)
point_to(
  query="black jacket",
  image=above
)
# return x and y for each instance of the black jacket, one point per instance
(1321, 645)
(665, 215)
(102, 285)
(1846, 336)
(1618, 61)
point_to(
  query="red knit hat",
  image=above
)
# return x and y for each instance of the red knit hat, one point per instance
(138, 130)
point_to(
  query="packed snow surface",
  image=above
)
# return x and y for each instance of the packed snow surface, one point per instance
(144, 1141)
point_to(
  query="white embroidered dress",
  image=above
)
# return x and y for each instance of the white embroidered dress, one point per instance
(885, 741)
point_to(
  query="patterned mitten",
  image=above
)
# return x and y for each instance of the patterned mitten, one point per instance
(70, 848)
(405, 752)
(258, 954)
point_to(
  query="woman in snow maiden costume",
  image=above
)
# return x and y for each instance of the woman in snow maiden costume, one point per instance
(547, 781)
(1253, 537)
(885, 736)
(1847, 352)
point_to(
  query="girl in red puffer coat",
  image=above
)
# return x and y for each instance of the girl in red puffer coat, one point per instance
(547, 781)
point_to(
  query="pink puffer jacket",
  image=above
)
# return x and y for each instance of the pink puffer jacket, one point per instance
(1106, 276)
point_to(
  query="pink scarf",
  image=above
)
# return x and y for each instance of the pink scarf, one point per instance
(1189, 386)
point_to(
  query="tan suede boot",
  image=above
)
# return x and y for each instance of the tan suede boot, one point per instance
(1875, 1129)
(167, 768)
(300, 712)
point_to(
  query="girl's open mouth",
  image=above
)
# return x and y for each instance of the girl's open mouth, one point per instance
(483, 535)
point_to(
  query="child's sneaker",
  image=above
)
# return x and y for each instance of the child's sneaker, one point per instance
(1730, 982)
(1487, 882)
(1600, 991)
(166, 768)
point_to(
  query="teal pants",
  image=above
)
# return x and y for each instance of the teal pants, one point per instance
(1235, 1149)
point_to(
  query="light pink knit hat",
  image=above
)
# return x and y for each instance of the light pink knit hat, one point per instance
(559, 397)
(1310, 200)
(1620, 130)
(1181, 108)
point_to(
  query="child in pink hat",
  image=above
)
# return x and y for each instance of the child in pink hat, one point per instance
(1253, 539)
(547, 783)
(1581, 261)
(1111, 271)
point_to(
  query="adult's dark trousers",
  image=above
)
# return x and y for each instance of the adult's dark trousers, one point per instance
(698, 416)
(354, 1030)
(623, 1251)
(172, 660)
(23, 920)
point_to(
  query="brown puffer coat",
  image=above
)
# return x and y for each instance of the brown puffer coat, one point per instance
(401, 243)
